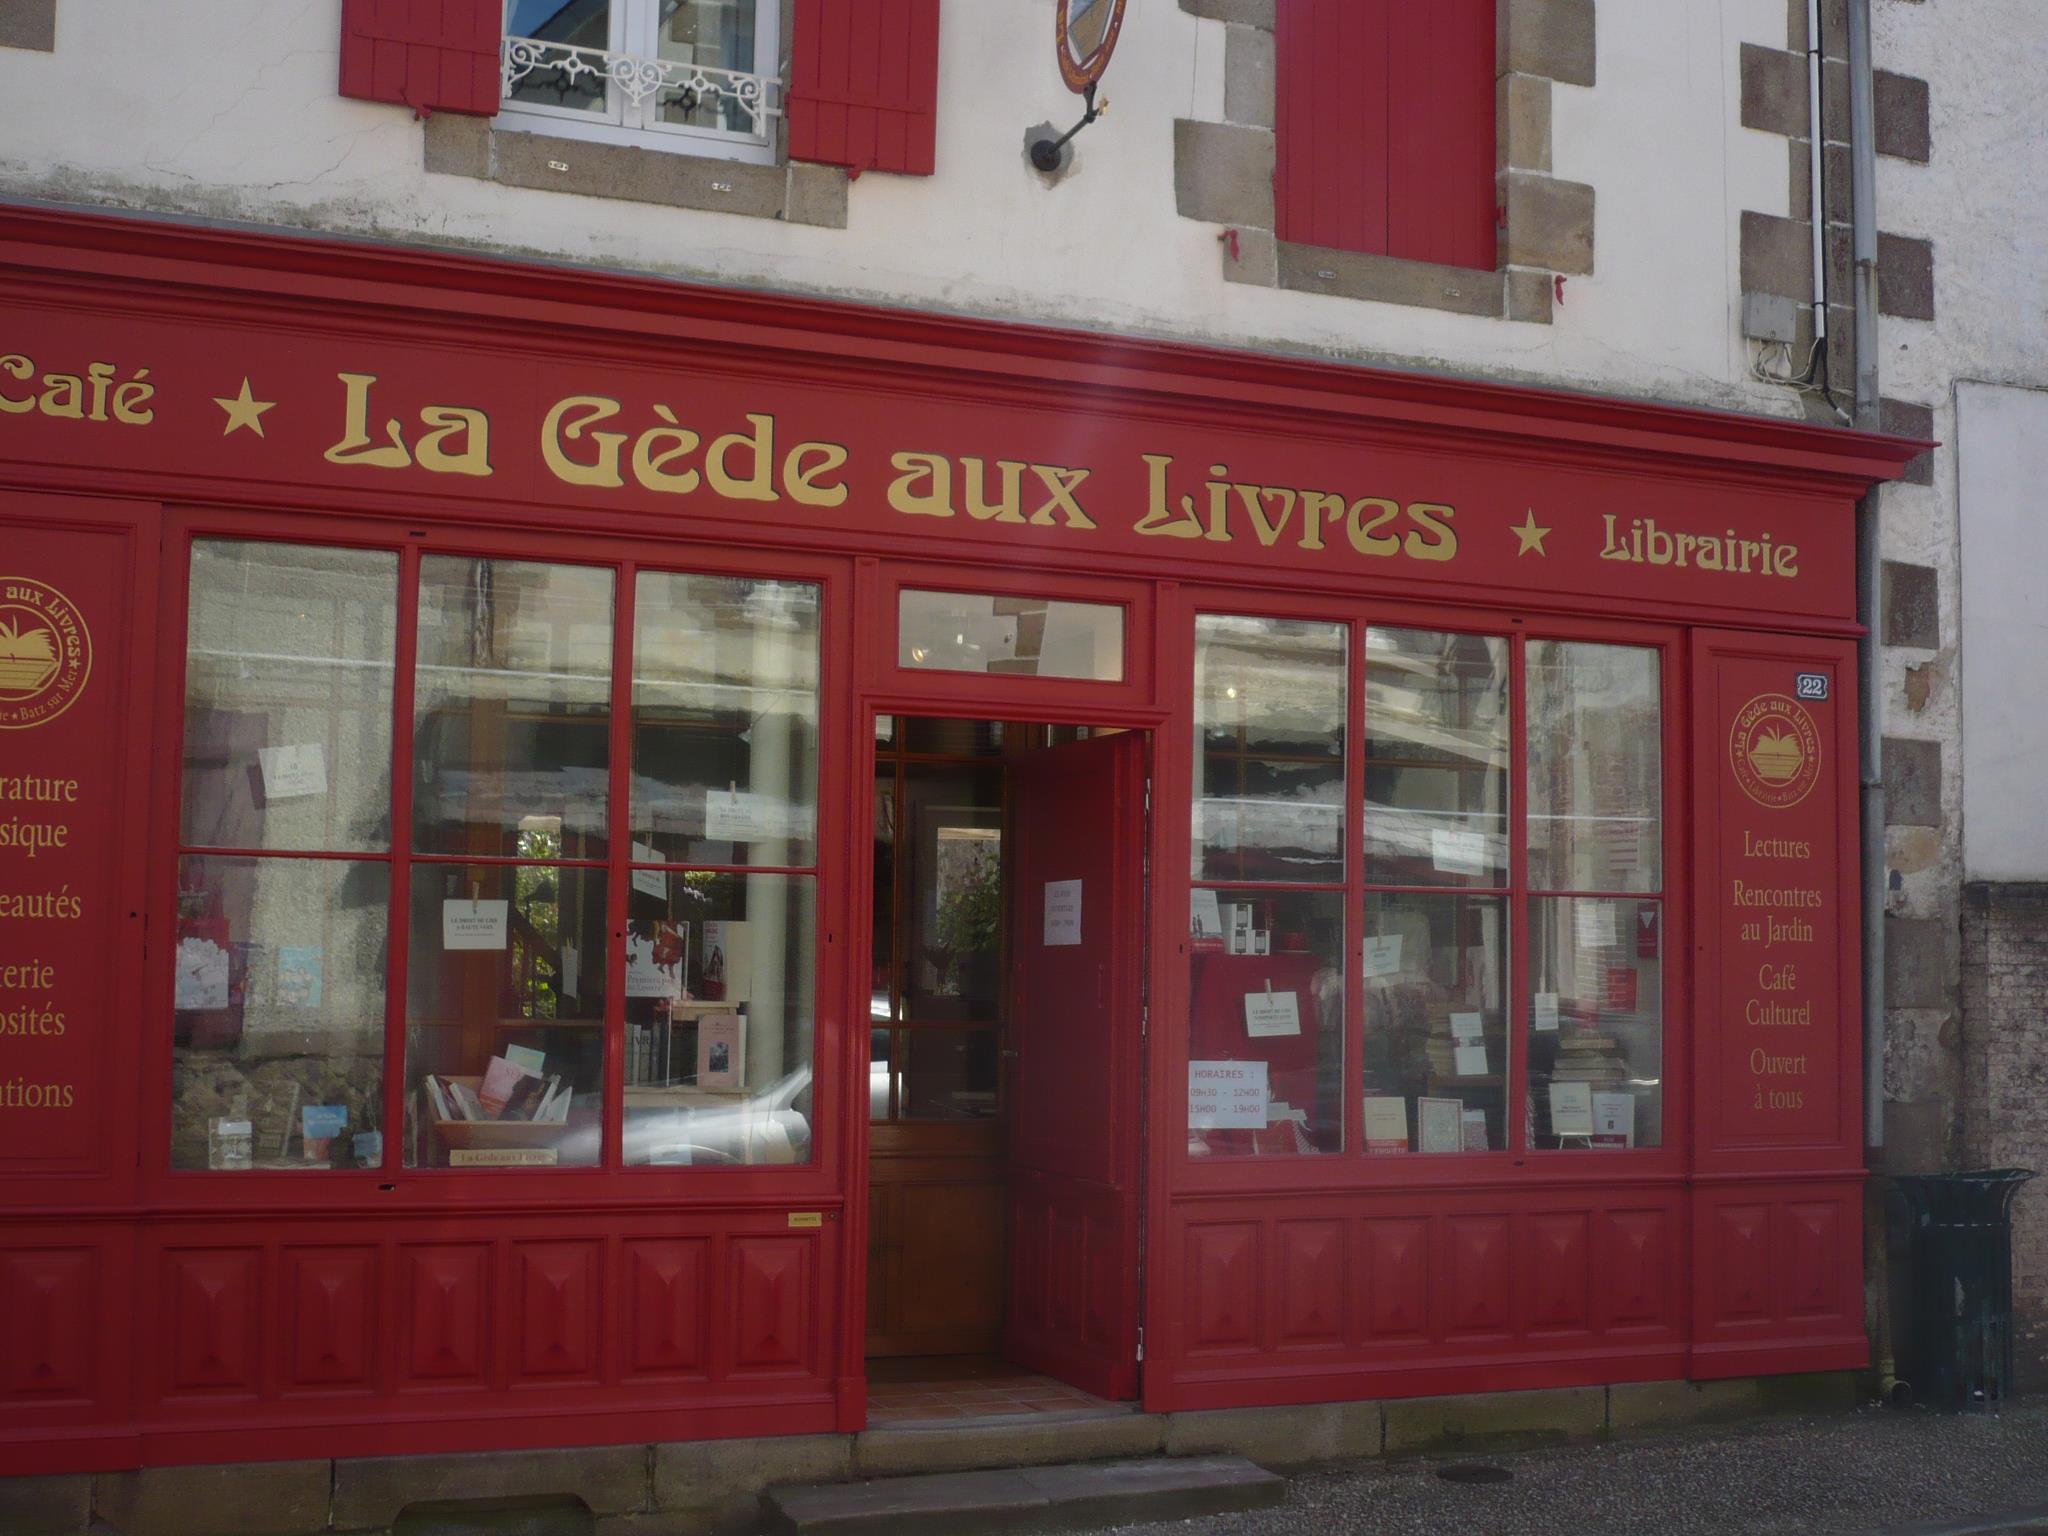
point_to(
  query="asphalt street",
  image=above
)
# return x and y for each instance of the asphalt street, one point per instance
(1876, 1470)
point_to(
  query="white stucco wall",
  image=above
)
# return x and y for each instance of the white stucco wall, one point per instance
(227, 109)
(1980, 199)
(2002, 453)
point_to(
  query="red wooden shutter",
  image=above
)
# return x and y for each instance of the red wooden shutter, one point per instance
(430, 55)
(1385, 128)
(864, 84)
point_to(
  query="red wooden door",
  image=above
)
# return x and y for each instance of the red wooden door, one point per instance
(1077, 830)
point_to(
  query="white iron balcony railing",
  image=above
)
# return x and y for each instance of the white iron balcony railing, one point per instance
(693, 85)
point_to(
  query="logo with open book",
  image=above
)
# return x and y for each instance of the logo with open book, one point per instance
(1774, 749)
(45, 652)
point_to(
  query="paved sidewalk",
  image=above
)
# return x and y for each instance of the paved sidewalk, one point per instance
(1876, 1470)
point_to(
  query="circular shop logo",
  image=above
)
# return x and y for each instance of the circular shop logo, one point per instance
(45, 652)
(1774, 749)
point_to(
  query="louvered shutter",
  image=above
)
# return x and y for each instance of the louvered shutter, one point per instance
(1385, 134)
(430, 55)
(864, 84)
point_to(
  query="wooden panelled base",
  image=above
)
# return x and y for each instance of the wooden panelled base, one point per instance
(237, 1339)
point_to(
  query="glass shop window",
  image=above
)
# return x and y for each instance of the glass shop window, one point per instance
(1009, 636)
(490, 912)
(284, 869)
(1509, 891)
(1267, 917)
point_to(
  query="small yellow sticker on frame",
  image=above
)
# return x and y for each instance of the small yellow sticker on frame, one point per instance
(806, 1219)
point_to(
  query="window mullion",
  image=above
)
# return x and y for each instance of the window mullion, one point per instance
(619, 846)
(1354, 898)
(405, 661)
(1515, 969)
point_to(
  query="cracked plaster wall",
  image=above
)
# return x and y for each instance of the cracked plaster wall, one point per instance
(227, 109)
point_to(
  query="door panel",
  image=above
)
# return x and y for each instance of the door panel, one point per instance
(1077, 825)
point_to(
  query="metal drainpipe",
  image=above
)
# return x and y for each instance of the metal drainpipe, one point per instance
(1869, 557)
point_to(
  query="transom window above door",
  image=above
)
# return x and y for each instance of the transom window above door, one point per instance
(692, 76)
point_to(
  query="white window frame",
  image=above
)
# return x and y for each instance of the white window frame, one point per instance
(634, 26)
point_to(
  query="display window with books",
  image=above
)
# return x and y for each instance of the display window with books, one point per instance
(1504, 878)
(444, 950)
(1267, 917)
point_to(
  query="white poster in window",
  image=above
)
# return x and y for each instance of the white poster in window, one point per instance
(1614, 1119)
(1226, 1095)
(290, 773)
(649, 882)
(202, 975)
(1595, 920)
(1062, 912)
(1543, 1011)
(473, 924)
(1571, 1109)
(1470, 1060)
(1440, 1124)
(1466, 1027)
(1458, 853)
(1205, 915)
(1383, 955)
(738, 816)
(1271, 1013)
(566, 979)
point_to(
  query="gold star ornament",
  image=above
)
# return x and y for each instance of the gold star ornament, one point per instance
(244, 410)
(1532, 537)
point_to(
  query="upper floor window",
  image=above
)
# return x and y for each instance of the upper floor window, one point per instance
(697, 76)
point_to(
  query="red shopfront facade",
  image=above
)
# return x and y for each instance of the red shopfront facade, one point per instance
(1432, 941)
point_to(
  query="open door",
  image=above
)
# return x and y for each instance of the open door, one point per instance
(1077, 832)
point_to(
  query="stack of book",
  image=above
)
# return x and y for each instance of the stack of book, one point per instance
(506, 1092)
(1588, 1058)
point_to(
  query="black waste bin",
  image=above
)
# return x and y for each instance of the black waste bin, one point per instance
(1958, 1337)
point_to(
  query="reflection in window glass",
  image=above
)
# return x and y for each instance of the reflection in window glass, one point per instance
(1436, 748)
(1595, 788)
(288, 674)
(1011, 636)
(1596, 1023)
(505, 1012)
(717, 34)
(1435, 1025)
(1269, 749)
(725, 720)
(720, 1005)
(949, 1074)
(278, 1009)
(511, 705)
(585, 24)
(1266, 1023)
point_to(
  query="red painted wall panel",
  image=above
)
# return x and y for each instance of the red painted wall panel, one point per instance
(430, 55)
(1385, 128)
(864, 84)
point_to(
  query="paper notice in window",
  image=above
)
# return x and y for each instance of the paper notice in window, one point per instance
(1440, 1124)
(1225, 1095)
(1062, 912)
(1543, 1011)
(1383, 955)
(290, 773)
(1386, 1124)
(1614, 1119)
(1465, 1028)
(1571, 1109)
(1595, 921)
(202, 975)
(473, 924)
(649, 882)
(1458, 853)
(1470, 1060)
(1271, 1013)
(738, 816)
